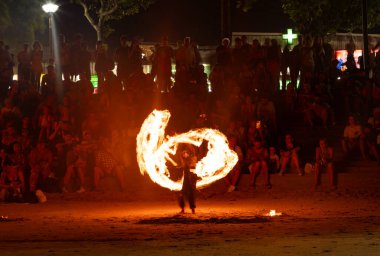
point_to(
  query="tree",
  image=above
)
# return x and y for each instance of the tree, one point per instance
(4, 17)
(321, 17)
(245, 5)
(100, 12)
(19, 20)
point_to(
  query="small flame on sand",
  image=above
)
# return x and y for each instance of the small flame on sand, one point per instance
(154, 149)
(273, 213)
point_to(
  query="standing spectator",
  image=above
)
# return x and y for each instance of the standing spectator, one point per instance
(285, 64)
(48, 83)
(101, 62)
(76, 56)
(296, 57)
(224, 54)
(84, 62)
(5, 62)
(163, 65)
(319, 55)
(135, 56)
(274, 64)
(121, 57)
(24, 66)
(36, 59)
(185, 64)
(247, 49)
(307, 58)
(238, 56)
(64, 59)
(329, 53)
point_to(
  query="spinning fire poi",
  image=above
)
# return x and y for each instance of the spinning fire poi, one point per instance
(154, 150)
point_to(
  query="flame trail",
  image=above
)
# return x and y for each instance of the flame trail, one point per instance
(154, 150)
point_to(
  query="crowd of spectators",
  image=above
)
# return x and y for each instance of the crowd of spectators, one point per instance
(57, 135)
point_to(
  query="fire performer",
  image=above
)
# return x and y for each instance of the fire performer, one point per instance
(188, 160)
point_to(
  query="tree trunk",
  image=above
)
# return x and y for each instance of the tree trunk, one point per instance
(99, 34)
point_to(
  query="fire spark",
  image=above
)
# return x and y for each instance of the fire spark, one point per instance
(154, 150)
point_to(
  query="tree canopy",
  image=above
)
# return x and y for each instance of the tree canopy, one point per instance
(19, 20)
(99, 13)
(321, 17)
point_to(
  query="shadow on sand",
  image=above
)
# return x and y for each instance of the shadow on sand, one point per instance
(181, 219)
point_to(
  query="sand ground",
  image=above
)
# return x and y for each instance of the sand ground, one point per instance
(145, 221)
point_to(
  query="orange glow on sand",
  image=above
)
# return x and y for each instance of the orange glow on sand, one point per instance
(273, 213)
(154, 149)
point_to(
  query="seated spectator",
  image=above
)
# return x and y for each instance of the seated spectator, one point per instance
(273, 161)
(9, 136)
(233, 177)
(257, 160)
(12, 184)
(368, 141)
(267, 113)
(289, 155)
(324, 162)
(351, 135)
(106, 164)
(76, 163)
(17, 157)
(45, 123)
(40, 161)
(255, 132)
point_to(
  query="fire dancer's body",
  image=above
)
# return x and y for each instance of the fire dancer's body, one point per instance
(189, 181)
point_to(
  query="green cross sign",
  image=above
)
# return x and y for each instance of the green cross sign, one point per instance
(289, 36)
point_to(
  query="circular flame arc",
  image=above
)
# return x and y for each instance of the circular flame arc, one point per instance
(154, 149)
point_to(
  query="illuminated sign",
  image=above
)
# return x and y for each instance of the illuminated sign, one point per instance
(289, 36)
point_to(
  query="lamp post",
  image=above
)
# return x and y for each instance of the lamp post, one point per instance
(50, 8)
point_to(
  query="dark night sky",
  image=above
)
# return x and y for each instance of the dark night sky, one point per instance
(199, 19)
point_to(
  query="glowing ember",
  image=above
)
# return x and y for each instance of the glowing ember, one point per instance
(154, 150)
(273, 213)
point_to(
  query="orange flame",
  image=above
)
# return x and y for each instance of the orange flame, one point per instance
(154, 150)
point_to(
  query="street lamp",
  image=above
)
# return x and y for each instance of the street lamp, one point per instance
(50, 8)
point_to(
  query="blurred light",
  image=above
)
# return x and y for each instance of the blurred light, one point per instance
(50, 7)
